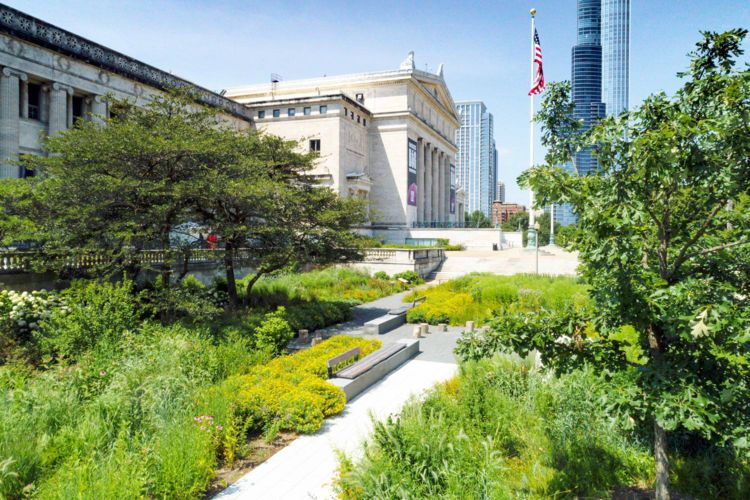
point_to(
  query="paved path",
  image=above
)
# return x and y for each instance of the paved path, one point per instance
(305, 469)
(552, 260)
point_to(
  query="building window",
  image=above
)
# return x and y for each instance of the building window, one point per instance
(357, 118)
(77, 107)
(346, 111)
(34, 90)
(323, 109)
(306, 111)
(364, 121)
(351, 114)
(360, 97)
(314, 144)
(290, 111)
(276, 113)
(262, 113)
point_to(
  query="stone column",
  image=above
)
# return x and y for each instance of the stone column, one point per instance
(9, 122)
(436, 184)
(44, 104)
(70, 109)
(441, 186)
(58, 108)
(24, 99)
(447, 187)
(420, 180)
(98, 109)
(428, 183)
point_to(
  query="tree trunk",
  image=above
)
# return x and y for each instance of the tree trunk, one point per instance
(250, 285)
(662, 463)
(229, 271)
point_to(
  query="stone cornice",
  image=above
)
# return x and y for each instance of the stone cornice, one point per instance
(31, 29)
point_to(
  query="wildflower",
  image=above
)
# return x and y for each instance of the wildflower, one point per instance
(102, 373)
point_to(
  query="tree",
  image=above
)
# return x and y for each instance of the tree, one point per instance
(266, 201)
(119, 187)
(478, 219)
(664, 242)
(517, 222)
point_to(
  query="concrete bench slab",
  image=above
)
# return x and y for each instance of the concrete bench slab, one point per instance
(366, 363)
(384, 324)
(353, 387)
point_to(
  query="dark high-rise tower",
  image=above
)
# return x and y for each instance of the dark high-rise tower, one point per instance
(586, 73)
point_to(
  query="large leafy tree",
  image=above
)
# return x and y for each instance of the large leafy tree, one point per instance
(267, 202)
(664, 241)
(116, 186)
(112, 188)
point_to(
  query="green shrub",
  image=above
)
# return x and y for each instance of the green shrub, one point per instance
(97, 313)
(381, 275)
(274, 333)
(287, 393)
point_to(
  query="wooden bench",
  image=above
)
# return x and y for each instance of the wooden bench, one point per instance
(366, 363)
(403, 309)
(351, 353)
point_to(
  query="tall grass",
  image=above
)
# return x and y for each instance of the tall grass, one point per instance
(501, 429)
(478, 296)
(330, 284)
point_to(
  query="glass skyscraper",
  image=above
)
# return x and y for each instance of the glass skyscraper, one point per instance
(599, 73)
(615, 55)
(586, 75)
(476, 161)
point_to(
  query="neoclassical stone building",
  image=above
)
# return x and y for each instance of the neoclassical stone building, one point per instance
(51, 77)
(386, 136)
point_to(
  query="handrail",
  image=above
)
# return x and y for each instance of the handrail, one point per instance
(22, 261)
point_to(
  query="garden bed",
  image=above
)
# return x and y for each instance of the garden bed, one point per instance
(479, 296)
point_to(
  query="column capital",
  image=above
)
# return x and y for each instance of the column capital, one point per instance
(100, 99)
(8, 72)
(62, 87)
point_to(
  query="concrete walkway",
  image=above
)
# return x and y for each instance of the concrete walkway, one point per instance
(306, 468)
(552, 261)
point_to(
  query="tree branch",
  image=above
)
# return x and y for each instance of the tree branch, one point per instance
(682, 256)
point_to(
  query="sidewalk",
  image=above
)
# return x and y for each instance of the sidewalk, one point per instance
(305, 469)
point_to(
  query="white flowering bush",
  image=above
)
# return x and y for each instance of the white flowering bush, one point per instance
(22, 312)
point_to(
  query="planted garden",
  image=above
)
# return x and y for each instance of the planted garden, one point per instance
(99, 397)
(479, 297)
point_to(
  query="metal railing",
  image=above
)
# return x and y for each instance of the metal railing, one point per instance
(17, 261)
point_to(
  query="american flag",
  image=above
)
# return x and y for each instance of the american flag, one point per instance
(538, 85)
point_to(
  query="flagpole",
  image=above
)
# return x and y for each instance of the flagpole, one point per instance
(532, 236)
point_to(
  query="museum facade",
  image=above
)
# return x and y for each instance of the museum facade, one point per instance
(50, 77)
(387, 137)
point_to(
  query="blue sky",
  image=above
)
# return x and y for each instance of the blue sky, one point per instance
(483, 44)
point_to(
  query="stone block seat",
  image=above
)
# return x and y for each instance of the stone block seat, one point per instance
(366, 363)
(359, 376)
(395, 318)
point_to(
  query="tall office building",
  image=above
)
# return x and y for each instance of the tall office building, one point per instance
(586, 71)
(599, 73)
(476, 160)
(615, 55)
(500, 194)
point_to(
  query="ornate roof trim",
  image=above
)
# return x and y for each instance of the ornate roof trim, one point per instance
(31, 29)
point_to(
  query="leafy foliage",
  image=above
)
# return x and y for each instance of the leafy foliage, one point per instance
(664, 241)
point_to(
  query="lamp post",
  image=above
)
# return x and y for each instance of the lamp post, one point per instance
(536, 227)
